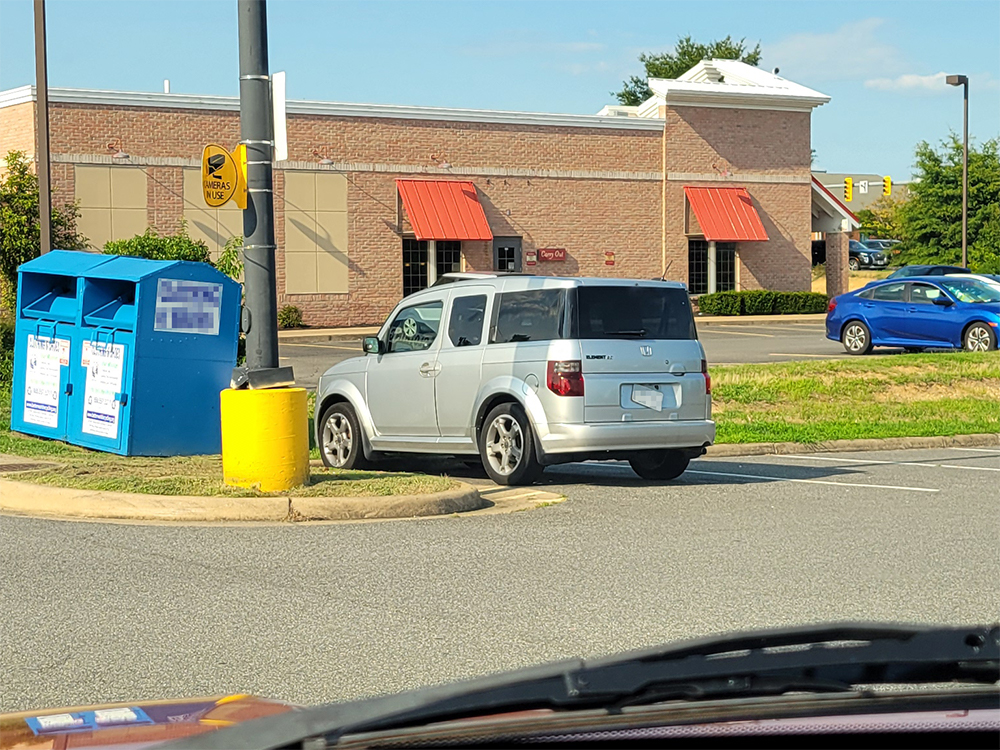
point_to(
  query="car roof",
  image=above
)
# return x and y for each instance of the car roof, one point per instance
(523, 282)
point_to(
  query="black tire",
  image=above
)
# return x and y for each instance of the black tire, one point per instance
(347, 452)
(979, 337)
(912, 349)
(856, 337)
(507, 446)
(659, 464)
(854, 264)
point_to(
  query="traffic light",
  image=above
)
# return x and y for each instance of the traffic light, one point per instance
(848, 189)
(887, 185)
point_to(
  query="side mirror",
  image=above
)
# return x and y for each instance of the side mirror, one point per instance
(943, 301)
(372, 345)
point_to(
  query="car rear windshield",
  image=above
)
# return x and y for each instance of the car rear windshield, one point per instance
(641, 312)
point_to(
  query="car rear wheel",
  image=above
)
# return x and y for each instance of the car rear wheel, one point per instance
(507, 446)
(661, 464)
(340, 438)
(856, 338)
(979, 337)
(854, 264)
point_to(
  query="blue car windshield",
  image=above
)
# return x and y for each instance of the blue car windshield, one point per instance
(971, 290)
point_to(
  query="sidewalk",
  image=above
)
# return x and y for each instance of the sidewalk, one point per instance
(316, 335)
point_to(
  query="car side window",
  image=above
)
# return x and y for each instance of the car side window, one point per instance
(465, 328)
(924, 293)
(414, 328)
(867, 294)
(535, 315)
(889, 293)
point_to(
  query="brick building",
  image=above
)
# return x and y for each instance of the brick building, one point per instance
(707, 182)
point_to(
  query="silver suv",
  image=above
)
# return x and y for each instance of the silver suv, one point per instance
(525, 372)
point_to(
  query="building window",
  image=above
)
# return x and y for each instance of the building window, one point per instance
(725, 266)
(507, 254)
(449, 257)
(414, 266)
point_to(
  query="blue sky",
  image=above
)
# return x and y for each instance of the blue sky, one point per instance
(880, 61)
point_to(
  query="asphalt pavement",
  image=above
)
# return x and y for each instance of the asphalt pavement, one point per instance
(98, 612)
(734, 343)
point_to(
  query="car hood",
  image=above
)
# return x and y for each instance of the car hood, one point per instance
(131, 725)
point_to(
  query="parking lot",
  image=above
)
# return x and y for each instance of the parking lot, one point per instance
(725, 343)
(314, 613)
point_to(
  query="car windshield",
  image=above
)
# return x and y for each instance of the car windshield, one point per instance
(635, 312)
(972, 290)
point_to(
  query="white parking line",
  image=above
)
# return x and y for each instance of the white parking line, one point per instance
(745, 333)
(324, 346)
(893, 463)
(811, 481)
(994, 451)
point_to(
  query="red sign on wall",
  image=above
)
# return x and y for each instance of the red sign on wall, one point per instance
(609, 258)
(530, 257)
(551, 253)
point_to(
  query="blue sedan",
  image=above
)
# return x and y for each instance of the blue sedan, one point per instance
(917, 313)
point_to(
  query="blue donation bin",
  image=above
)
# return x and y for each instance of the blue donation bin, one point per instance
(123, 354)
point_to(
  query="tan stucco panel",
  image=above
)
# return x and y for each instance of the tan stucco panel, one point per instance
(93, 186)
(128, 188)
(300, 191)
(95, 225)
(300, 273)
(331, 192)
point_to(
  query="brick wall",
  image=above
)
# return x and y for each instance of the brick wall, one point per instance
(17, 129)
(164, 198)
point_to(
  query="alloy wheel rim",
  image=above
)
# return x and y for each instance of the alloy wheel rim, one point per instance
(337, 439)
(978, 339)
(855, 338)
(504, 444)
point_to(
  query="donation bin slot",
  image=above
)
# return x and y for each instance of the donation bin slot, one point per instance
(109, 303)
(49, 297)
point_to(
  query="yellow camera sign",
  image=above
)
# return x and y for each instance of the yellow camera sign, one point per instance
(222, 179)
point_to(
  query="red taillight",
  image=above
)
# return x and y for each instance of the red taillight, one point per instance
(708, 378)
(565, 378)
(833, 304)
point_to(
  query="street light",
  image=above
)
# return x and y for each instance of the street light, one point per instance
(964, 82)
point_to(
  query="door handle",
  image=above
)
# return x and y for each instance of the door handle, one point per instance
(429, 370)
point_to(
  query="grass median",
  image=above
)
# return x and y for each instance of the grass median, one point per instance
(187, 475)
(906, 395)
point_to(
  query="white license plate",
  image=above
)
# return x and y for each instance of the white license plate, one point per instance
(648, 397)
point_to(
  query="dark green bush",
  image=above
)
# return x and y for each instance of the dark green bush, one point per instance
(289, 317)
(6, 351)
(762, 302)
(154, 247)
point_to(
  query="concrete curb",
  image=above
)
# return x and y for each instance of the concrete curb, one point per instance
(321, 335)
(749, 320)
(844, 446)
(43, 500)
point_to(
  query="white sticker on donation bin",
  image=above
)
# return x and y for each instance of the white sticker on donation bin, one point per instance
(105, 364)
(41, 380)
(188, 307)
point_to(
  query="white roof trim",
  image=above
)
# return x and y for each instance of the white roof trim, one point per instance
(329, 109)
(831, 206)
(742, 87)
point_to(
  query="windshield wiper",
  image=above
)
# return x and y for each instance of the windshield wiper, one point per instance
(772, 662)
(636, 332)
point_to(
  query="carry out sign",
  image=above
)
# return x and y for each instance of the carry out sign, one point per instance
(222, 179)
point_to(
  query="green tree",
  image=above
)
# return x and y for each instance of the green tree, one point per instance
(881, 218)
(686, 54)
(20, 229)
(931, 219)
(150, 245)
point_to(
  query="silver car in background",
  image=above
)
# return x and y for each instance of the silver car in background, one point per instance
(525, 372)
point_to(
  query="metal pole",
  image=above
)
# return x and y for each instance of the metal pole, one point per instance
(258, 217)
(42, 126)
(965, 177)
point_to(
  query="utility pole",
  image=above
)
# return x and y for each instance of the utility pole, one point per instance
(258, 217)
(963, 81)
(42, 126)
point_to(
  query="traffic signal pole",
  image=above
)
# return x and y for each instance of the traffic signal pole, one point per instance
(260, 281)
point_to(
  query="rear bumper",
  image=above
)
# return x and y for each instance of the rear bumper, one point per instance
(555, 439)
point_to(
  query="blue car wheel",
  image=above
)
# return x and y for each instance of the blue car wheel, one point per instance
(856, 337)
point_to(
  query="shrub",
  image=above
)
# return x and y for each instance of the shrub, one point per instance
(289, 317)
(152, 246)
(6, 351)
(762, 302)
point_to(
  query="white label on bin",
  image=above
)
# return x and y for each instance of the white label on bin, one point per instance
(188, 307)
(41, 380)
(105, 364)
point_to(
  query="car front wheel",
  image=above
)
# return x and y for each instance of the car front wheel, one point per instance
(665, 464)
(856, 338)
(340, 438)
(507, 446)
(979, 337)
(854, 264)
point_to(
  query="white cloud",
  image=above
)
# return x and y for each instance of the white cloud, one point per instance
(855, 50)
(933, 84)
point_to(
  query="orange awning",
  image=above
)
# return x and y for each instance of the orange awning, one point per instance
(726, 214)
(444, 210)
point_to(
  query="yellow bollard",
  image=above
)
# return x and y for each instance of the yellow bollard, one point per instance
(265, 440)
